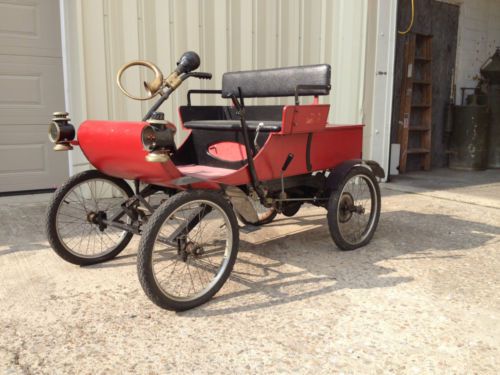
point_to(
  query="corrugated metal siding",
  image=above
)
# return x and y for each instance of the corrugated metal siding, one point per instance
(229, 35)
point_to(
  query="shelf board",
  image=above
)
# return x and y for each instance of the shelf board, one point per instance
(423, 59)
(421, 82)
(416, 151)
(419, 128)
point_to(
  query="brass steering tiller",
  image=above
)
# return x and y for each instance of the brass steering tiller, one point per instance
(158, 136)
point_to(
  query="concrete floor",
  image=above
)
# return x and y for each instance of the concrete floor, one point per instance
(422, 297)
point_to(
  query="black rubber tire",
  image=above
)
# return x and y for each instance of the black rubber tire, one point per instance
(146, 246)
(259, 223)
(54, 204)
(333, 205)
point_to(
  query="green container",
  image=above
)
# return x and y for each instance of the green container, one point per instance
(469, 140)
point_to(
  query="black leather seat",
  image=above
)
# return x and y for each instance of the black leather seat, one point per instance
(268, 126)
(278, 82)
(314, 79)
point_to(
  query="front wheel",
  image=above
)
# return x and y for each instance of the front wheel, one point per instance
(76, 214)
(188, 249)
(354, 209)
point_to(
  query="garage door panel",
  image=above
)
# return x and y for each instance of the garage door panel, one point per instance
(22, 158)
(27, 160)
(30, 27)
(18, 20)
(31, 89)
(20, 89)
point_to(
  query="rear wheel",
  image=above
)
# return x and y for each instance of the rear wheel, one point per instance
(74, 222)
(188, 249)
(354, 209)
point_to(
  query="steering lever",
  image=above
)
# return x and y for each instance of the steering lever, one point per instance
(287, 162)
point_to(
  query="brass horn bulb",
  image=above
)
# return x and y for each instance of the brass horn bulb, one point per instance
(153, 87)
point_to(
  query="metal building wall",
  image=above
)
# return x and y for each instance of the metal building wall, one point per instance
(478, 38)
(101, 35)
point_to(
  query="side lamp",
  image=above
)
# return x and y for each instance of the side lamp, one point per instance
(158, 139)
(61, 132)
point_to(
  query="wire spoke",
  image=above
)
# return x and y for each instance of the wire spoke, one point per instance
(359, 211)
(81, 235)
(191, 266)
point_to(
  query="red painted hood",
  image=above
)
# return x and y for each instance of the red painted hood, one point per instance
(115, 148)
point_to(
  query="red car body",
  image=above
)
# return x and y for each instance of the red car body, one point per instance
(115, 148)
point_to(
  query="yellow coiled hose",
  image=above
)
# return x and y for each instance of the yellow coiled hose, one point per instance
(412, 19)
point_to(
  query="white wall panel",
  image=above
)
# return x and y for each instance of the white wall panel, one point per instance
(379, 80)
(229, 35)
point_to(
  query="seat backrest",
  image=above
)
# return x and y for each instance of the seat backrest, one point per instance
(277, 82)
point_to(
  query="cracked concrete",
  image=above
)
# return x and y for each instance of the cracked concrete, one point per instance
(422, 297)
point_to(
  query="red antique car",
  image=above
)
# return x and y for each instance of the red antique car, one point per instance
(250, 162)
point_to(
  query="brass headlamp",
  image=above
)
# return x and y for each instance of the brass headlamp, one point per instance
(61, 132)
(158, 139)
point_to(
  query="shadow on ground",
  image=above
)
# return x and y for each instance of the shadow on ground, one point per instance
(318, 268)
(283, 268)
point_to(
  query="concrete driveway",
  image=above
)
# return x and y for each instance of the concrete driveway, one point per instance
(423, 297)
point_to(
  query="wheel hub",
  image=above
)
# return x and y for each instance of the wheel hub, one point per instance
(347, 208)
(98, 219)
(191, 249)
(345, 211)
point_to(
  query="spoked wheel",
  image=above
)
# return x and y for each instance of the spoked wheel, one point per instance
(354, 209)
(75, 215)
(188, 249)
(265, 215)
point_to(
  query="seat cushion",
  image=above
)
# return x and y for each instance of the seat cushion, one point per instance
(277, 82)
(268, 126)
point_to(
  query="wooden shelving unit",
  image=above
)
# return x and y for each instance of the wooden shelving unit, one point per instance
(415, 121)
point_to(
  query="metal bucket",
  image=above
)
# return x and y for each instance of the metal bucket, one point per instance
(469, 140)
(494, 134)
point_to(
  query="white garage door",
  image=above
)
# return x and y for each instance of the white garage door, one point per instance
(31, 88)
